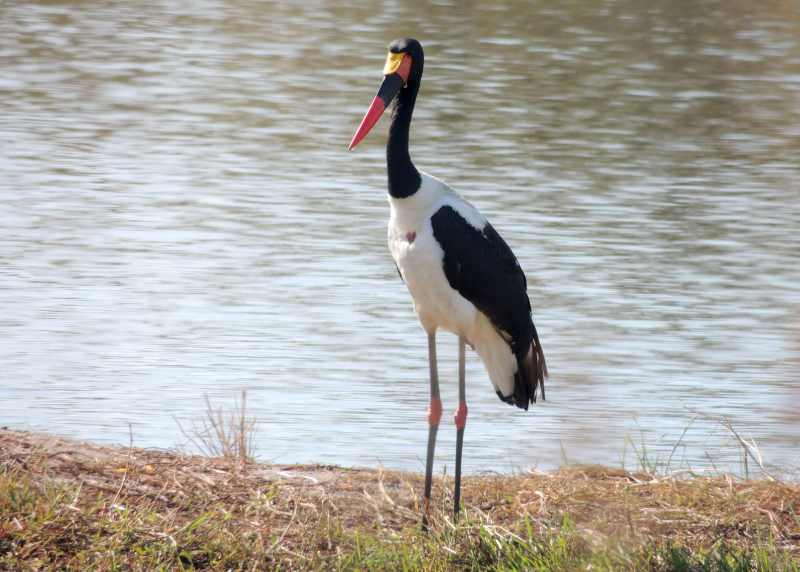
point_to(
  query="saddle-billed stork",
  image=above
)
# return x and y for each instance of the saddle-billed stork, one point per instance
(462, 275)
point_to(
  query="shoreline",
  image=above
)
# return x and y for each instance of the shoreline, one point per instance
(96, 500)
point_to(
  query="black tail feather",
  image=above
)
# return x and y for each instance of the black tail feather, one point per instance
(540, 365)
(530, 376)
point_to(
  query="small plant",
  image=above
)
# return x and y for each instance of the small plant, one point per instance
(228, 435)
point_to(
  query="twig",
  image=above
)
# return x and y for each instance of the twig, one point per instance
(285, 530)
(750, 449)
(127, 465)
(677, 444)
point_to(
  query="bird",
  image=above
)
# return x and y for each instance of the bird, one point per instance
(461, 274)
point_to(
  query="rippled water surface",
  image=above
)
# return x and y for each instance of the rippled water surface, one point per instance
(180, 218)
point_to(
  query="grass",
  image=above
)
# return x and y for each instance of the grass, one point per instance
(226, 434)
(66, 505)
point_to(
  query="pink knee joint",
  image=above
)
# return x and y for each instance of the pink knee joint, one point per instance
(461, 415)
(434, 411)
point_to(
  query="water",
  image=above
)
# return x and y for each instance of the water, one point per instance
(181, 218)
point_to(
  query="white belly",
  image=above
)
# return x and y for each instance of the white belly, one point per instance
(419, 258)
(420, 262)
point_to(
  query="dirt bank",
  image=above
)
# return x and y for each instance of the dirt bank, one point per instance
(68, 504)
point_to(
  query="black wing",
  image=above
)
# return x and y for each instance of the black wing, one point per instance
(481, 267)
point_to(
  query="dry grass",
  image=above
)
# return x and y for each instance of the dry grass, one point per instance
(224, 434)
(66, 505)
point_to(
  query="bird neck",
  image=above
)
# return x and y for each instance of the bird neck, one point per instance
(404, 179)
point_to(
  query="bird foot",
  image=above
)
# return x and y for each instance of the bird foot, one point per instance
(426, 512)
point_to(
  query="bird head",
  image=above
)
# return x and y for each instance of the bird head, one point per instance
(403, 65)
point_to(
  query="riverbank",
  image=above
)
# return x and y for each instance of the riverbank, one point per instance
(70, 505)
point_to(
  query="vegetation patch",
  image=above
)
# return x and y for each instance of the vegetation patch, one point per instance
(66, 505)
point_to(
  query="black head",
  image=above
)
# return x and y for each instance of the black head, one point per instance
(413, 48)
(403, 69)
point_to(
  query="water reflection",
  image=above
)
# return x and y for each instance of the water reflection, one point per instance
(181, 218)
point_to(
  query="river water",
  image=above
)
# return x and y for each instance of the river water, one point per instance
(181, 218)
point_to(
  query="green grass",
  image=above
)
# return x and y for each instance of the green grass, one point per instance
(43, 529)
(476, 547)
(68, 506)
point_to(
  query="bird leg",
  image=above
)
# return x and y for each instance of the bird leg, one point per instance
(461, 422)
(434, 415)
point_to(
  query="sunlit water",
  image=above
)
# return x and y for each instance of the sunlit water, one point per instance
(180, 218)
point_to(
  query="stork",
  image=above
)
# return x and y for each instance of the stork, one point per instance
(461, 274)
